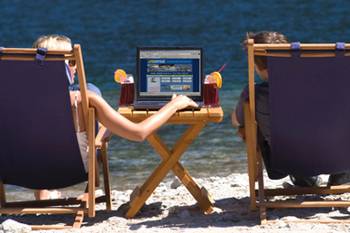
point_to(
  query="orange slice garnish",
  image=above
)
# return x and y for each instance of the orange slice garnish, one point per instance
(216, 78)
(119, 76)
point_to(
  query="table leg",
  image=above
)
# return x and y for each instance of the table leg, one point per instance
(163, 168)
(202, 197)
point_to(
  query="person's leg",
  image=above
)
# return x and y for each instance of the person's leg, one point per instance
(305, 181)
(339, 178)
(273, 174)
(44, 194)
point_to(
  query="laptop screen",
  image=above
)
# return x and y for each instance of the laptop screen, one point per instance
(165, 71)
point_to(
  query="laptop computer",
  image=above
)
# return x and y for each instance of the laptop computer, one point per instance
(163, 71)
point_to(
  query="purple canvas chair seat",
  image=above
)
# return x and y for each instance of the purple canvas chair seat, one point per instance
(310, 114)
(39, 146)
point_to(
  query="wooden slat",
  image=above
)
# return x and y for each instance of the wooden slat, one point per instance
(43, 203)
(251, 150)
(82, 81)
(302, 54)
(261, 195)
(24, 58)
(78, 220)
(215, 114)
(52, 210)
(102, 136)
(312, 221)
(47, 203)
(106, 176)
(306, 204)
(49, 227)
(202, 113)
(139, 115)
(183, 117)
(97, 172)
(33, 51)
(186, 114)
(91, 161)
(307, 190)
(125, 111)
(251, 124)
(251, 79)
(309, 46)
(151, 112)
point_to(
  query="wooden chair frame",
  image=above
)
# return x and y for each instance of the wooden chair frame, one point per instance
(58, 206)
(259, 197)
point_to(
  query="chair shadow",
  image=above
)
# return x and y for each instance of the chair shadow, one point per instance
(234, 212)
(66, 219)
(309, 213)
(192, 216)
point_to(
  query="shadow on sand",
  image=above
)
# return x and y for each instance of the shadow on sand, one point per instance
(229, 212)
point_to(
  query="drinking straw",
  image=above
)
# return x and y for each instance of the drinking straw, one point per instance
(222, 67)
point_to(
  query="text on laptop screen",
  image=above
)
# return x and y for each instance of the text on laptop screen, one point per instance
(164, 72)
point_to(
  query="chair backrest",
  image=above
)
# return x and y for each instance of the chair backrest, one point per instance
(39, 147)
(309, 104)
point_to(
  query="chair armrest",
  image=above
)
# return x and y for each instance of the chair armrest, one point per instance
(103, 136)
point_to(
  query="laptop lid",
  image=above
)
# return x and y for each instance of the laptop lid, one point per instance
(163, 71)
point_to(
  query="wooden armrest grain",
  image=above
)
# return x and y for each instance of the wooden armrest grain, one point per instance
(103, 136)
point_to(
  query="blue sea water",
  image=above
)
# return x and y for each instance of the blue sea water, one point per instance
(110, 31)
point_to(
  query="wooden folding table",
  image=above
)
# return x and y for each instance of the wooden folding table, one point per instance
(196, 121)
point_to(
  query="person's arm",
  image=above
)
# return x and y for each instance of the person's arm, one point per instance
(234, 119)
(125, 128)
(237, 116)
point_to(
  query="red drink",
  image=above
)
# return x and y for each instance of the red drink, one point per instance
(126, 94)
(211, 95)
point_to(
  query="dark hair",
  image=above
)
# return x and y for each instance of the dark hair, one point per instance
(264, 37)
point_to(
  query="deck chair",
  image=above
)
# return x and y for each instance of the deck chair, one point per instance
(309, 120)
(39, 148)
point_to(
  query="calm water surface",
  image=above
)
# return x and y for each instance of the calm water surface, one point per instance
(109, 32)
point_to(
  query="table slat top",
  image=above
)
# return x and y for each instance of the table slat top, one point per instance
(204, 114)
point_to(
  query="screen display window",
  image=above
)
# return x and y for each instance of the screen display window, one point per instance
(165, 72)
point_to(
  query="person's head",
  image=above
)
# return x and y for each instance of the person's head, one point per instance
(56, 42)
(264, 37)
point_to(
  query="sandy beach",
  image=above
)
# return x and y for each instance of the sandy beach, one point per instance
(172, 209)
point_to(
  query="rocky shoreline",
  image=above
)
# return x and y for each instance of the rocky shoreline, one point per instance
(171, 208)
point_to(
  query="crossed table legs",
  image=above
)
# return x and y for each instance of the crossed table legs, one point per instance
(171, 161)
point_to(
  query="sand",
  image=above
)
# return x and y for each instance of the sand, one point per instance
(172, 209)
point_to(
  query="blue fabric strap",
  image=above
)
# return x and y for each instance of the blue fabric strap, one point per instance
(339, 49)
(295, 46)
(40, 54)
(70, 79)
(340, 46)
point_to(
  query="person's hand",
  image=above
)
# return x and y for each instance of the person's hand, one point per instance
(182, 101)
(241, 133)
